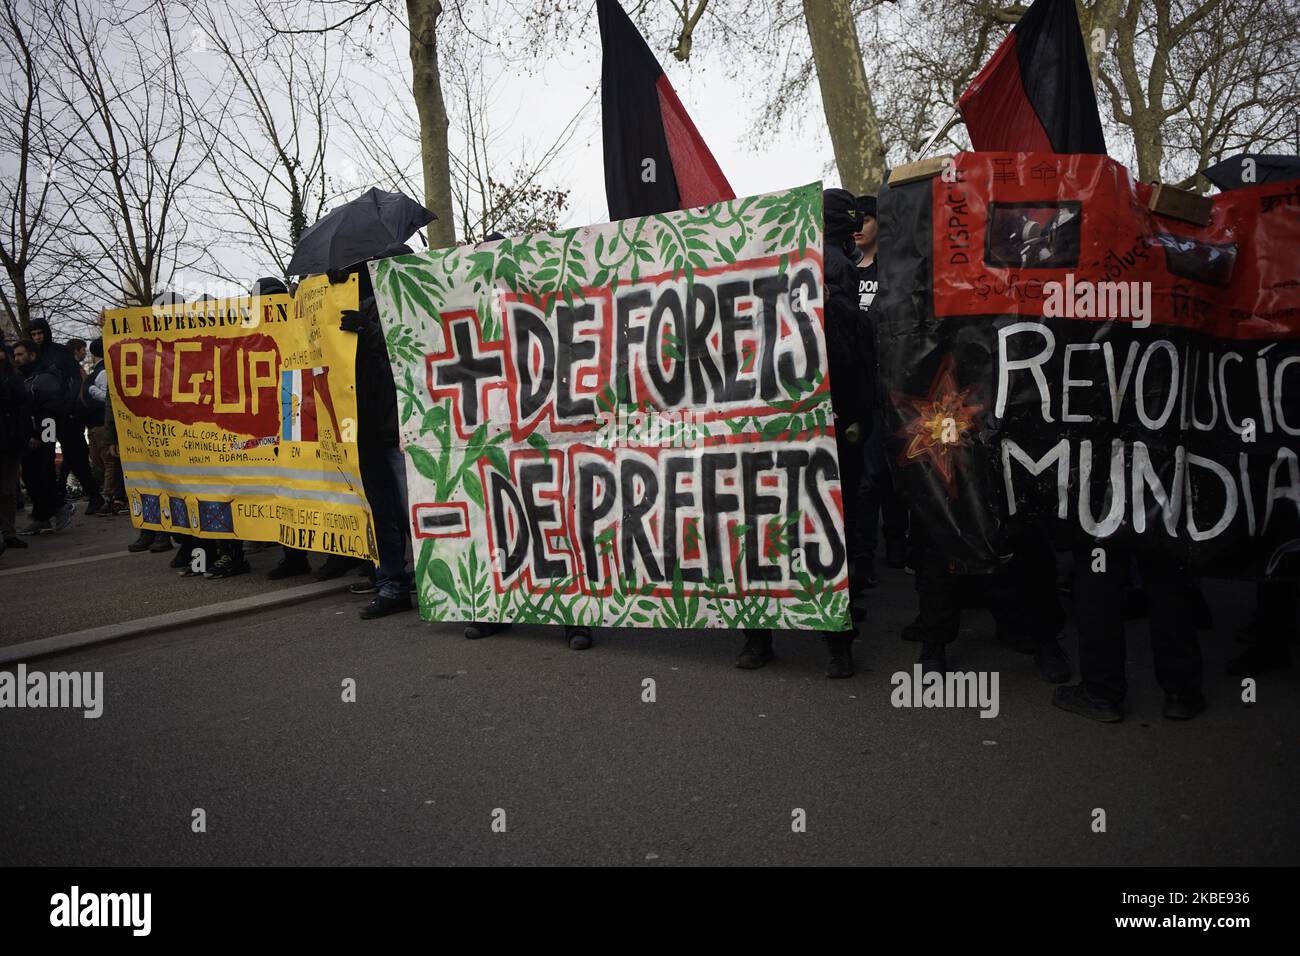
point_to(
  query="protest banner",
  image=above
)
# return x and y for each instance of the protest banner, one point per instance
(626, 424)
(236, 418)
(1058, 352)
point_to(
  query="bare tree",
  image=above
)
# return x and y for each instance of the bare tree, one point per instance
(1239, 75)
(35, 132)
(429, 28)
(138, 152)
(275, 101)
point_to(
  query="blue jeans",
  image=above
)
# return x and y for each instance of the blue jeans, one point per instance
(383, 475)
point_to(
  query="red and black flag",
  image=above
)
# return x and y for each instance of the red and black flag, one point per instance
(655, 158)
(1036, 93)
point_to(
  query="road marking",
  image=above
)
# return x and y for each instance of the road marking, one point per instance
(66, 563)
(168, 622)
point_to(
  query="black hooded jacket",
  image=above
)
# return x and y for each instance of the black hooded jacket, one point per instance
(61, 363)
(376, 390)
(849, 346)
(15, 410)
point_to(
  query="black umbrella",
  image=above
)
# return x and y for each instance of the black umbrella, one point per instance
(358, 230)
(1266, 169)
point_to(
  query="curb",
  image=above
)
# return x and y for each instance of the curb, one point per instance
(167, 622)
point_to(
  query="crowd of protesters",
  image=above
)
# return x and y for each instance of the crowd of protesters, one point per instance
(52, 394)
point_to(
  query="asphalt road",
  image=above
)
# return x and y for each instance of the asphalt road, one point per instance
(84, 577)
(245, 720)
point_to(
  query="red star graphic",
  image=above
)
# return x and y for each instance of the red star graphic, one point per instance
(938, 430)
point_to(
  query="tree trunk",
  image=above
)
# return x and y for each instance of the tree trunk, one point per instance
(1099, 15)
(426, 86)
(846, 95)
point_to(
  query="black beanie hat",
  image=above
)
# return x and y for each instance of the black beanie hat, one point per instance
(97, 347)
(268, 285)
(40, 324)
(841, 213)
(868, 206)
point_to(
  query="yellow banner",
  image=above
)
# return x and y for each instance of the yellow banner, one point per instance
(237, 418)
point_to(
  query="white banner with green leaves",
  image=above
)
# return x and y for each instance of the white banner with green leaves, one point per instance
(626, 424)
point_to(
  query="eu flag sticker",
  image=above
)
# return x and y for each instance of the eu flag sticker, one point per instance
(180, 513)
(150, 509)
(216, 517)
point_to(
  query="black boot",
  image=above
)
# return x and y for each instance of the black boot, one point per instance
(475, 630)
(162, 543)
(757, 650)
(579, 638)
(840, 664)
(143, 542)
(1077, 700)
(1183, 706)
(381, 606)
(335, 566)
(291, 565)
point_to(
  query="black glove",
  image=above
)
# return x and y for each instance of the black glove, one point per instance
(354, 320)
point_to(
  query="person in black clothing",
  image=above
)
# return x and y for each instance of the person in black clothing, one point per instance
(1271, 629)
(69, 423)
(158, 542)
(15, 430)
(94, 399)
(1099, 611)
(1021, 595)
(851, 357)
(880, 503)
(379, 449)
(47, 401)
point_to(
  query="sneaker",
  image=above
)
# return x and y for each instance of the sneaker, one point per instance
(181, 559)
(16, 542)
(1183, 706)
(220, 567)
(1053, 665)
(94, 506)
(289, 567)
(364, 586)
(232, 568)
(579, 638)
(476, 630)
(143, 541)
(1076, 700)
(757, 651)
(62, 518)
(162, 543)
(35, 527)
(840, 664)
(933, 659)
(381, 606)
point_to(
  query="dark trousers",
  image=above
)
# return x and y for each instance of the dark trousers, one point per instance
(1021, 595)
(880, 503)
(1274, 622)
(383, 474)
(42, 481)
(851, 462)
(76, 456)
(1099, 613)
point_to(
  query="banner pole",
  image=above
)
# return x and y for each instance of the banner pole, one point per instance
(948, 124)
